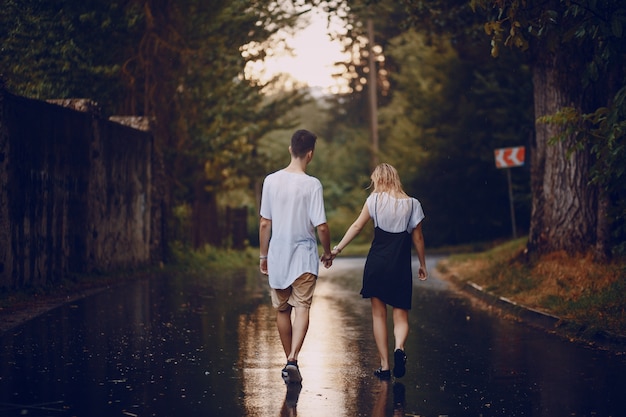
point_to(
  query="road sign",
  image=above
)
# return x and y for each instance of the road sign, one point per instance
(510, 157)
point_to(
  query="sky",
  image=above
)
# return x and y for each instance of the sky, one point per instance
(312, 59)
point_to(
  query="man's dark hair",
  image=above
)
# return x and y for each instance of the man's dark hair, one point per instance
(302, 142)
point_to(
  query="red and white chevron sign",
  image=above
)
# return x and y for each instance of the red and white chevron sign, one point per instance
(510, 157)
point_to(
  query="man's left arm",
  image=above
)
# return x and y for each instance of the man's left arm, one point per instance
(323, 232)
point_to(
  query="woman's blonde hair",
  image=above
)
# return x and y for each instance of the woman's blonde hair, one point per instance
(385, 178)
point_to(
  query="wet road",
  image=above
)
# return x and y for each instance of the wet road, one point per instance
(193, 345)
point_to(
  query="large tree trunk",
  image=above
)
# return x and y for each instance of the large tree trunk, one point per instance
(564, 209)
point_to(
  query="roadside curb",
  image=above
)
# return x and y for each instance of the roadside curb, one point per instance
(552, 324)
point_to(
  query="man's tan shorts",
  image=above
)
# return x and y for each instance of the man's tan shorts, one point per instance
(298, 294)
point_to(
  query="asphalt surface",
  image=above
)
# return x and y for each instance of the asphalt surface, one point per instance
(206, 345)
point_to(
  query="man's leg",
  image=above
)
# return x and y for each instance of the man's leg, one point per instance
(301, 297)
(286, 331)
(292, 338)
(283, 323)
(299, 330)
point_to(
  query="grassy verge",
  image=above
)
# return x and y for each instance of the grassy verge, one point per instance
(211, 258)
(576, 289)
(19, 306)
(184, 259)
(37, 298)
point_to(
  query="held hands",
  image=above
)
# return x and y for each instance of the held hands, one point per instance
(327, 259)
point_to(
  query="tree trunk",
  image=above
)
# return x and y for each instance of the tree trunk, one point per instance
(205, 226)
(603, 234)
(564, 210)
(237, 221)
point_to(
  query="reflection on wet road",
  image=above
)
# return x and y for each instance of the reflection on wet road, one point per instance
(196, 345)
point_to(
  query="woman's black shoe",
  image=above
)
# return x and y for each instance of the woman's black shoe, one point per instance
(399, 363)
(383, 375)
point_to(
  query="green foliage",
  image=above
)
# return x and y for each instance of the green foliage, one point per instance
(440, 129)
(222, 116)
(181, 63)
(446, 106)
(67, 48)
(342, 164)
(587, 37)
(591, 33)
(605, 131)
(210, 258)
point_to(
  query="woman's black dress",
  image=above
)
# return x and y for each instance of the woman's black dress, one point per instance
(387, 275)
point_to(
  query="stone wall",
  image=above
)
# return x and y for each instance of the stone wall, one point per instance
(76, 194)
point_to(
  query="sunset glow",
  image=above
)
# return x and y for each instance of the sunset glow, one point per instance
(306, 58)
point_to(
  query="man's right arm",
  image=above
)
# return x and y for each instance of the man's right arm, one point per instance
(265, 231)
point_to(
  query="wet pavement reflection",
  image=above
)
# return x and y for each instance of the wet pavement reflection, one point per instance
(199, 345)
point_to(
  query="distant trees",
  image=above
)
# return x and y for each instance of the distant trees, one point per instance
(445, 105)
(457, 110)
(576, 54)
(180, 63)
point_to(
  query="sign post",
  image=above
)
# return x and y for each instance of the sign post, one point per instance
(509, 158)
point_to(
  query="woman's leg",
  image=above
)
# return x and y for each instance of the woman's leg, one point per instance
(400, 334)
(379, 324)
(400, 327)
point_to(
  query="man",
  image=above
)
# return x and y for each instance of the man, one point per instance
(292, 208)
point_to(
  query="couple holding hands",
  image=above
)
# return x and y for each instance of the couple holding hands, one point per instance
(292, 210)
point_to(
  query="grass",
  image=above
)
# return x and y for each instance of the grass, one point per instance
(574, 288)
(75, 286)
(211, 258)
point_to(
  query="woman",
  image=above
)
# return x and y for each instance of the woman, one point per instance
(387, 278)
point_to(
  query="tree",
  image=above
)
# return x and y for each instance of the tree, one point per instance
(445, 104)
(447, 114)
(180, 63)
(576, 54)
(191, 61)
(217, 115)
(68, 49)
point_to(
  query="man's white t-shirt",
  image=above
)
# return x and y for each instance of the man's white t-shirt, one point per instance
(294, 203)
